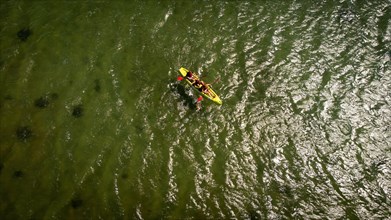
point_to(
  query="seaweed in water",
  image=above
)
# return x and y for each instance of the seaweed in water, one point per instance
(18, 174)
(77, 111)
(42, 102)
(97, 85)
(24, 33)
(54, 95)
(23, 133)
(253, 215)
(76, 203)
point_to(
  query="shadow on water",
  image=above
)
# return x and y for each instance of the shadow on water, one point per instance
(182, 91)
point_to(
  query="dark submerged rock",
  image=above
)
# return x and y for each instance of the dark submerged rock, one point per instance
(23, 133)
(24, 33)
(77, 111)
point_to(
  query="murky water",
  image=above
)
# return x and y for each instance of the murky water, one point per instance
(95, 126)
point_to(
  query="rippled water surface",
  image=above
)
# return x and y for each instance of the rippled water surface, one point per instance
(94, 124)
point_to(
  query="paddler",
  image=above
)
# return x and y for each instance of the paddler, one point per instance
(202, 87)
(189, 76)
(198, 85)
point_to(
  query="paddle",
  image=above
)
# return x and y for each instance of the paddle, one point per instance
(216, 80)
(198, 103)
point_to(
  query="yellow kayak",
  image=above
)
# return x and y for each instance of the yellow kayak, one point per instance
(210, 94)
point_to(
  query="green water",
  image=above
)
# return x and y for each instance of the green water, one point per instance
(94, 124)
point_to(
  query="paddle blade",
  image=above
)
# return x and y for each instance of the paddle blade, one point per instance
(199, 99)
(180, 78)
